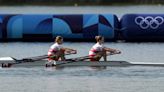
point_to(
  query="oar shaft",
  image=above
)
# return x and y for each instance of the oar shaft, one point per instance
(86, 57)
(37, 58)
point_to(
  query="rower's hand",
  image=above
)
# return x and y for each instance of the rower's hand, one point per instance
(117, 52)
(72, 51)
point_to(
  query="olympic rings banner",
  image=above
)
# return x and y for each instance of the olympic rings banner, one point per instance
(45, 27)
(143, 27)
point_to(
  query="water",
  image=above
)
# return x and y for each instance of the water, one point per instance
(118, 10)
(84, 79)
(133, 52)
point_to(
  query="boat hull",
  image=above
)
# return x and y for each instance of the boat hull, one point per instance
(65, 63)
(77, 63)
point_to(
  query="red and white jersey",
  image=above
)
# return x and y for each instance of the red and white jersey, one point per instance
(54, 48)
(95, 48)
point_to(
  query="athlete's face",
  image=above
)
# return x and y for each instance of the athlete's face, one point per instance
(60, 41)
(102, 40)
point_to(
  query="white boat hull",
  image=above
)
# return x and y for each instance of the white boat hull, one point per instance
(77, 63)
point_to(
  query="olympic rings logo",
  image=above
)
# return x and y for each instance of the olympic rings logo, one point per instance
(149, 22)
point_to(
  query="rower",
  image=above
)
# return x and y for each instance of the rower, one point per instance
(98, 50)
(57, 52)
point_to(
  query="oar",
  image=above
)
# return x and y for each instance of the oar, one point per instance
(24, 60)
(82, 58)
(71, 60)
(87, 57)
(37, 58)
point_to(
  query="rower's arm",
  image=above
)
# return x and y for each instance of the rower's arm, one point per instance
(70, 50)
(112, 50)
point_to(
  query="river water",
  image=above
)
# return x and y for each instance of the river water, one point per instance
(118, 10)
(83, 79)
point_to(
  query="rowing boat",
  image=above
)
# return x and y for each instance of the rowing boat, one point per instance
(11, 62)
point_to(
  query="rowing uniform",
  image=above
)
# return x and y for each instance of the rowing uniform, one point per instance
(95, 48)
(53, 49)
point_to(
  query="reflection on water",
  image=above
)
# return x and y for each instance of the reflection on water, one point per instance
(110, 72)
(82, 79)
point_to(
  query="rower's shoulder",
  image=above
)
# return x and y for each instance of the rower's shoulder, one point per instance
(97, 45)
(54, 45)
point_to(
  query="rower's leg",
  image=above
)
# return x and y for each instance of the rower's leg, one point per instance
(97, 57)
(101, 54)
(62, 55)
(52, 58)
(104, 55)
